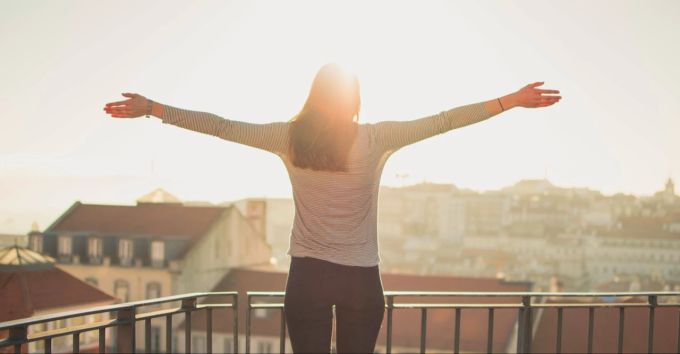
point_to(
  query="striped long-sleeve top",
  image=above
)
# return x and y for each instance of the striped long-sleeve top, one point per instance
(335, 212)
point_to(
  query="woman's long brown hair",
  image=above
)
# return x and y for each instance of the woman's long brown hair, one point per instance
(322, 134)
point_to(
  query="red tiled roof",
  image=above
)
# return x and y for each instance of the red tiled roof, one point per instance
(406, 330)
(22, 292)
(606, 329)
(172, 220)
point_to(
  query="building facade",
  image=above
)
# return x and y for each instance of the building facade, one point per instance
(151, 249)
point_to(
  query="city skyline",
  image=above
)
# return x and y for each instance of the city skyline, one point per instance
(22, 221)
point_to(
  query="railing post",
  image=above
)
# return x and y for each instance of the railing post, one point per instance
(75, 337)
(520, 330)
(168, 333)
(524, 326)
(102, 340)
(282, 337)
(125, 327)
(209, 330)
(390, 307)
(591, 325)
(235, 318)
(18, 334)
(188, 305)
(147, 335)
(558, 340)
(622, 318)
(423, 329)
(653, 302)
(489, 333)
(248, 326)
(456, 341)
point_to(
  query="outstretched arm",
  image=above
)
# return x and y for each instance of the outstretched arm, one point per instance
(270, 137)
(392, 135)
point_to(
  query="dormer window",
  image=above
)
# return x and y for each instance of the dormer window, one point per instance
(125, 252)
(37, 243)
(64, 246)
(157, 253)
(94, 249)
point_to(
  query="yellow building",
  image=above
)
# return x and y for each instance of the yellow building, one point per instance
(157, 247)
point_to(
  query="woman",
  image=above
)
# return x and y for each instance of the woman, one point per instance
(334, 164)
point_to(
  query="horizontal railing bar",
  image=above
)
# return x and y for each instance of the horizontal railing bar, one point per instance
(482, 306)
(111, 323)
(531, 294)
(215, 306)
(591, 304)
(267, 306)
(495, 294)
(109, 308)
(159, 313)
(266, 293)
(454, 306)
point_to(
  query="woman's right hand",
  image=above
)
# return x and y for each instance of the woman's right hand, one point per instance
(134, 107)
(530, 96)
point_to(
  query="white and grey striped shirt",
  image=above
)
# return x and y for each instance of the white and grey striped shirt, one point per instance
(335, 212)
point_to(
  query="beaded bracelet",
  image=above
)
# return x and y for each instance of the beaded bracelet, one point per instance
(499, 102)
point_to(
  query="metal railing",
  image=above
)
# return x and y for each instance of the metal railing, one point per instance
(525, 308)
(124, 318)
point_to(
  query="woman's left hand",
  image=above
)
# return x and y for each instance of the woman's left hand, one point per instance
(134, 107)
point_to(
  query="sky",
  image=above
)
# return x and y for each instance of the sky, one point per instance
(615, 62)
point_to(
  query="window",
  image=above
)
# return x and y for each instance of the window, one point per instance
(94, 248)
(64, 246)
(125, 252)
(121, 290)
(198, 344)
(153, 290)
(37, 243)
(157, 253)
(264, 347)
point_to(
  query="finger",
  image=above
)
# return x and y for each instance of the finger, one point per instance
(118, 109)
(118, 103)
(547, 91)
(536, 84)
(128, 94)
(546, 104)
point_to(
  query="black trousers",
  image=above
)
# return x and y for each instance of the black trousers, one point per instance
(313, 287)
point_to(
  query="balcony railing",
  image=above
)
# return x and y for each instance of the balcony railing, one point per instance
(124, 318)
(127, 315)
(525, 308)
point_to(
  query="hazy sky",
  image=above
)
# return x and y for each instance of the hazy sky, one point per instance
(617, 128)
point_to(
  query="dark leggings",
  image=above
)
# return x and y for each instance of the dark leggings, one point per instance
(313, 287)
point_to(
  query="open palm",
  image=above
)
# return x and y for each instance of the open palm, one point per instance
(135, 106)
(530, 96)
